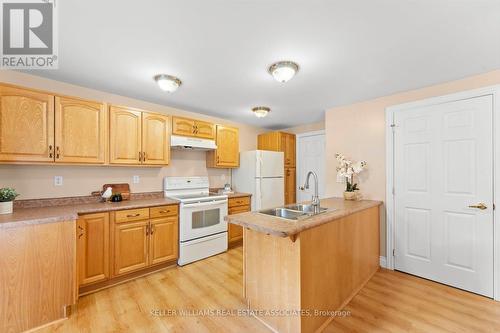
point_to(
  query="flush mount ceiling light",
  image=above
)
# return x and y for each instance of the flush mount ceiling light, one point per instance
(261, 111)
(283, 71)
(167, 83)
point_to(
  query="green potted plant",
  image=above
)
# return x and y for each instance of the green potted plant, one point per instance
(7, 196)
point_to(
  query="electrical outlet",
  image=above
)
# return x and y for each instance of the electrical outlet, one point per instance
(136, 179)
(58, 180)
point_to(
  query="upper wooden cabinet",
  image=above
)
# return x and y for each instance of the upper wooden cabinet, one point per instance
(138, 137)
(155, 139)
(80, 131)
(228, 147)
(26, 125)
(191, 127)
(125, 135)
(279, 141)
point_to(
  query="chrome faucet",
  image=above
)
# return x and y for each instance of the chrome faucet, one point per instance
(315, 198)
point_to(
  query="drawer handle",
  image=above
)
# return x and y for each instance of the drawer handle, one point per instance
(134, 215)
(164, 211)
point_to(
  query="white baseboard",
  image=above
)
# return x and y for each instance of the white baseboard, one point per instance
(383, 262)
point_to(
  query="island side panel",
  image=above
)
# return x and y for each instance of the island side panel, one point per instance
(337, 259)
(37, 275)
(272, 278)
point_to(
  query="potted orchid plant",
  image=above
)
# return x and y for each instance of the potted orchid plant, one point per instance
(346, 170)
(7, 196)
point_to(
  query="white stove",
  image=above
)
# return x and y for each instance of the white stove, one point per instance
(202, 224)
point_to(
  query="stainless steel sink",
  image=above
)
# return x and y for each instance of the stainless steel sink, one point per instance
(283, 213)
(294, 212)
(306, 208)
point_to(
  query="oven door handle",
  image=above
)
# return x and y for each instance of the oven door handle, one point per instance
(204, 204)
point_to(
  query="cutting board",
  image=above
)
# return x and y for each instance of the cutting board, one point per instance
(123, 189)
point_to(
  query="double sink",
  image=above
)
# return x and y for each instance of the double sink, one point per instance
(294, 212)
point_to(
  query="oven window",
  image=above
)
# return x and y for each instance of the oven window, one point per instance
(205, 218)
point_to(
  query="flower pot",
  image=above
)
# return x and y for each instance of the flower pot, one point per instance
(350, 195)
(6, 207)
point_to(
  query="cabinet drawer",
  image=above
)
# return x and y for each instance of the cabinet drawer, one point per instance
(241, 201)
(161, 211)
(237, 210)
(131, 215)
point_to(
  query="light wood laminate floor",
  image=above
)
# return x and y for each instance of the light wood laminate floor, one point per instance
(389, 302)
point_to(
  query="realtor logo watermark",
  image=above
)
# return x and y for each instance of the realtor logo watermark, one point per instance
(29, 34)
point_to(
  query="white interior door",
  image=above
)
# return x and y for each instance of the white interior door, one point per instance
(310, 157)
(443, 165)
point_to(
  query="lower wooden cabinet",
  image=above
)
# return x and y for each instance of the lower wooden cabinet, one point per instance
(290, 186)
(112, 245)
(236, 206)
(164, 240)
(93, 248)
(131, 247)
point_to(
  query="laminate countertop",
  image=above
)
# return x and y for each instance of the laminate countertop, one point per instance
(51, 214)
(276, 226)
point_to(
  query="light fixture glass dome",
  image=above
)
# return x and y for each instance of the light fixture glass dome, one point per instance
(167, 83)
(283, 71)
(261, 111)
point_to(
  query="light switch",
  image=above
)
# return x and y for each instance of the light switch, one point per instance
(58, 180)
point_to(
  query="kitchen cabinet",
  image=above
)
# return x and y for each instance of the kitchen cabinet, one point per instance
(227, 154)
(235, 206)
(144, 237)
(26, 125)
(155, 139)
(131, 246)
(125, 135)
(284, 142)
(93, 248)
(192, 127)
(164, 240)
(290, 186)
(138, 137)
(80, 131)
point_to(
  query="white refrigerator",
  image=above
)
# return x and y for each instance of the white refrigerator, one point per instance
(261, 173)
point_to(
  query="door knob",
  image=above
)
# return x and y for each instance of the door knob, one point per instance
(480, 205)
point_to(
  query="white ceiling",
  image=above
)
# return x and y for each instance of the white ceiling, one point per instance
(348, 51)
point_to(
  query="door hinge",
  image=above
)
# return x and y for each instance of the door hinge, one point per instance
(494, 206)
(393, 252)
(393, 126)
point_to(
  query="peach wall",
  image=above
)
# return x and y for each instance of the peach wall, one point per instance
(306, 128)
(358, 131)
(37, 181)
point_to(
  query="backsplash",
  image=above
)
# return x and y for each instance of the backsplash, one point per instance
(37, 181)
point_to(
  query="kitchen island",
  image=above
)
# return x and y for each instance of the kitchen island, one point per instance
(298, 273)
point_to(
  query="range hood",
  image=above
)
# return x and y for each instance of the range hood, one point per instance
(186, 142)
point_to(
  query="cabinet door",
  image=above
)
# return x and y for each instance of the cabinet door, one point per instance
(183, 126)
(289, 149)
(290, 186)
(80, 131)
(204, 129)
(235, 232)
(26, 126)
(131, 247)
(228, 147)
(164, 241)
(155, 139)
(125, 135)
(93, 248)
